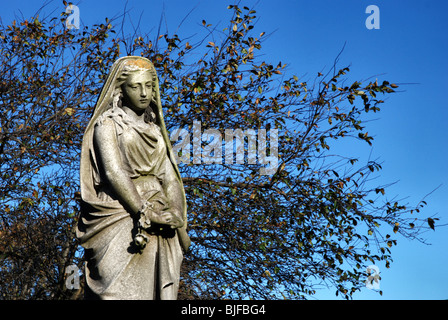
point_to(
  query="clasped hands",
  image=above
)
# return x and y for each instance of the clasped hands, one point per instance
(153, 213)
(149, 213)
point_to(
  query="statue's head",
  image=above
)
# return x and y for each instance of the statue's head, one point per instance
(136, 86)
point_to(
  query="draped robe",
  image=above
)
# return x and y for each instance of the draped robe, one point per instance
(115, 269)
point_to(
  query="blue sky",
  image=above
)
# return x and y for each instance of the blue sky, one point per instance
(410, 47)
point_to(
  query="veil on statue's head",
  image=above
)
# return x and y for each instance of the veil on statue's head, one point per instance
(109, 98)
(111, 90)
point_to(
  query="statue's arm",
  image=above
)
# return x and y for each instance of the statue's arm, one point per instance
(173, 190)
(106, 145)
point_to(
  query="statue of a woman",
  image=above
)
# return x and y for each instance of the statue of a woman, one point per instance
(133, 218)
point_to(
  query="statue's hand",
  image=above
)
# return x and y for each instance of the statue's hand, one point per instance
(172, 219)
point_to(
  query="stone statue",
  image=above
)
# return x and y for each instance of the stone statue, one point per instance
(133, 216)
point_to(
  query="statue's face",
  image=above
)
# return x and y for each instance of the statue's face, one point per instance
(137, 90)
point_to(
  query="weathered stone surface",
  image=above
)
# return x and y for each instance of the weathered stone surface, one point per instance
(133, 219)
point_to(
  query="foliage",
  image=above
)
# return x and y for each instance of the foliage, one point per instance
(49, 80)
(318, 220)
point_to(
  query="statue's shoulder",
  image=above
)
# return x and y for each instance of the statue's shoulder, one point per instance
(109, 117)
